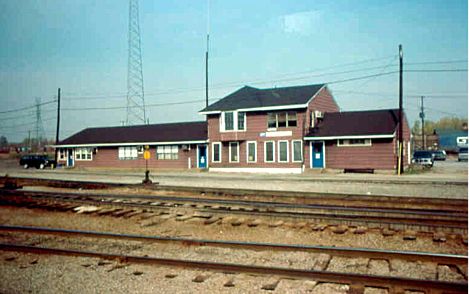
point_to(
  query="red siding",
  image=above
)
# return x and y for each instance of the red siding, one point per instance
(108, 157)
(379, 155)
(256, 124)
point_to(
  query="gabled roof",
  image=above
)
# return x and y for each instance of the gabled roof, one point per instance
(377, 123)
(252, 98)
(156, 133)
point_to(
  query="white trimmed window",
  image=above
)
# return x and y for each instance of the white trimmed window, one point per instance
(216, 152)
(282, 151)
(84, 154)
(128, 153)
(277, 120)
(269, 151)
(251, 151)
(62, 154)
(167, 152)
(234, 151)
(297, 150)
(232, 121)
(353, 142)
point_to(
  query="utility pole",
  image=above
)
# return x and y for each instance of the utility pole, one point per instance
(29, 140)
(422, 117)
(400, 164)
(58, 124)
(206, 54)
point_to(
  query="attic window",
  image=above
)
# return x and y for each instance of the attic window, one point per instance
(233, 121)
(281, 120)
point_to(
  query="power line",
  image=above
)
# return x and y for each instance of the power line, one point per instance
(171, 91)
(148, 105)
(28, 107)
(25, 124)
(437, 70)
(437, 62)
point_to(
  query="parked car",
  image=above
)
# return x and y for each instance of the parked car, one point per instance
(439, 155)
(423, 158)
(462, 156)
(37, 161)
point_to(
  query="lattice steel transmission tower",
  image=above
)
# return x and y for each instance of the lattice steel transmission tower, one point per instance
(39, 127)
(135, 94)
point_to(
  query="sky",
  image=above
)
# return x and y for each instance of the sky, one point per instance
(81, 47)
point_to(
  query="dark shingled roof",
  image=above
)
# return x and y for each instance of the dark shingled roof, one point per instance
(171, 132)
(249, 97)
(357, 123)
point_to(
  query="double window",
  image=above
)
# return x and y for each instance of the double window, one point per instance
(84, 154)
(167, 152)
(216, 152)
(128, 153)
(277, 120)
(233, 121)
(353, 142)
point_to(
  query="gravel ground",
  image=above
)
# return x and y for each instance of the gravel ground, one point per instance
(29, 273)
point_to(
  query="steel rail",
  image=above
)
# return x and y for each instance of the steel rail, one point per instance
(254, 203)
(322, 276)
(452, 225)
(332, 250)
(457, 204)
(460, 217)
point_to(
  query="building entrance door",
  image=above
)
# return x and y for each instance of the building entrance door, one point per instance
(202, 156)
(70, 157)
(317, 157)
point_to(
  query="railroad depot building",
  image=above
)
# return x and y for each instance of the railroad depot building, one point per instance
(277, 130)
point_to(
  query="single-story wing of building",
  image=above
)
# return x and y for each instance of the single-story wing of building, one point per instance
(358, 140)
(173, 145)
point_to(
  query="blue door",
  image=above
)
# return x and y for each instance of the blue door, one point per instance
(318, 155)
(70, 157)
(202, 156)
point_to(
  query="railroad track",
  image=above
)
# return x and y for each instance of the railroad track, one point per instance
(397, 219)
(359, 281)
(337, 199)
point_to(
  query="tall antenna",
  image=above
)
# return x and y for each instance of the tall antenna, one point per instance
(135, 95)
(206, 54)
(39, 127)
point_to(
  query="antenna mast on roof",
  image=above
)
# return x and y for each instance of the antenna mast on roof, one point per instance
(206, 54)
(135, 95)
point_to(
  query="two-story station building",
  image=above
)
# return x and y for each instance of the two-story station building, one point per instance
(277, 130)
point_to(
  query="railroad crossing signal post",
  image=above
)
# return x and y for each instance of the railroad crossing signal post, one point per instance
(146, 156)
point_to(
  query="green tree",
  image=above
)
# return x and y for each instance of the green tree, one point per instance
(454, 123)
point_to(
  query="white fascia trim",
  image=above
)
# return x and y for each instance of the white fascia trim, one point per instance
(265, 108)
(315, 94)
(280, 107)
(209, 112)
(265, 170)
(350, 137)
(129, 144)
